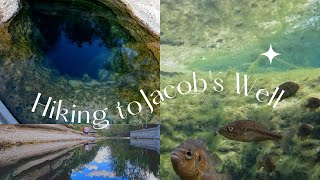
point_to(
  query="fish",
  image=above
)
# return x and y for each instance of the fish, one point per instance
(289, 88)
(267, 163)
(248, 131)
(304, 131)
(192, 160)
(313, 103)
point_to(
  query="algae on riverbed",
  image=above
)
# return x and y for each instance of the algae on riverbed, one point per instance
(226, 37)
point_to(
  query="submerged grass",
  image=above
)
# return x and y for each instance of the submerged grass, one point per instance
(226, 37)
(199, 115)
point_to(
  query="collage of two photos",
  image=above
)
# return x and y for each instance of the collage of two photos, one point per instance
(150, 89)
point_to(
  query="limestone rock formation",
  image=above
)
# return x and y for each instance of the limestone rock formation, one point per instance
(8, 9)
(147, 11)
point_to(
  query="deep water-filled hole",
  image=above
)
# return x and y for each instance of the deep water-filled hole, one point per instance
(76, 42)
(88, 53)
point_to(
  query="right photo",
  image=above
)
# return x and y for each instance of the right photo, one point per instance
(240, 81)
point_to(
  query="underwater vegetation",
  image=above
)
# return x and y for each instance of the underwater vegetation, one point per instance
(225, 37)
(202, 114)
(90, 54)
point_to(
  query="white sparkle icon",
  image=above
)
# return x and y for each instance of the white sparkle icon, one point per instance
(270, 54)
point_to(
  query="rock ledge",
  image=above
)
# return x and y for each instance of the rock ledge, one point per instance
(8, 9)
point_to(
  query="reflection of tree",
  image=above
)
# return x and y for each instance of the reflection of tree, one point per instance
(136, 172)
(80, 158)
(79, 31)
(50, 30)
(118, 130)
(131, 162)
(79, 28)
(122, 130)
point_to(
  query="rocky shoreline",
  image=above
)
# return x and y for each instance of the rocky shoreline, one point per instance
(11, 135)
(147, 12)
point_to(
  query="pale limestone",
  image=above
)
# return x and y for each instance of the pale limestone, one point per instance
(148, 11)
(8, 9)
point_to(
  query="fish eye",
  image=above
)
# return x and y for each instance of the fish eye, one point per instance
(188, 154)
(230, 129)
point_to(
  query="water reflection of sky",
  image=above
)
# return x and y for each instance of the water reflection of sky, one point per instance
(99, 168)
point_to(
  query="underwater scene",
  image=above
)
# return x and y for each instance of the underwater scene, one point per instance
(273, 131)
(91, 55)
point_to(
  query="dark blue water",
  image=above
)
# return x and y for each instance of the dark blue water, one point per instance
(77, 59)
(75, 43)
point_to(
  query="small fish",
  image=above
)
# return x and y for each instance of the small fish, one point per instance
(313, 103)
(289, 88)
(248, 131)
(191, 160)
(267, 163)
(305, 130)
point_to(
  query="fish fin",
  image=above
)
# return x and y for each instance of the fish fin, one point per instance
(216, 159)
(202, 142)
(286, 139)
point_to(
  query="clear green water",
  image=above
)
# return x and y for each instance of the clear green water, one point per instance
(226, 37)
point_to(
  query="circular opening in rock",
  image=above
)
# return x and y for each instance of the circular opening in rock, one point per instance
(77, 39)
(88, 53)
